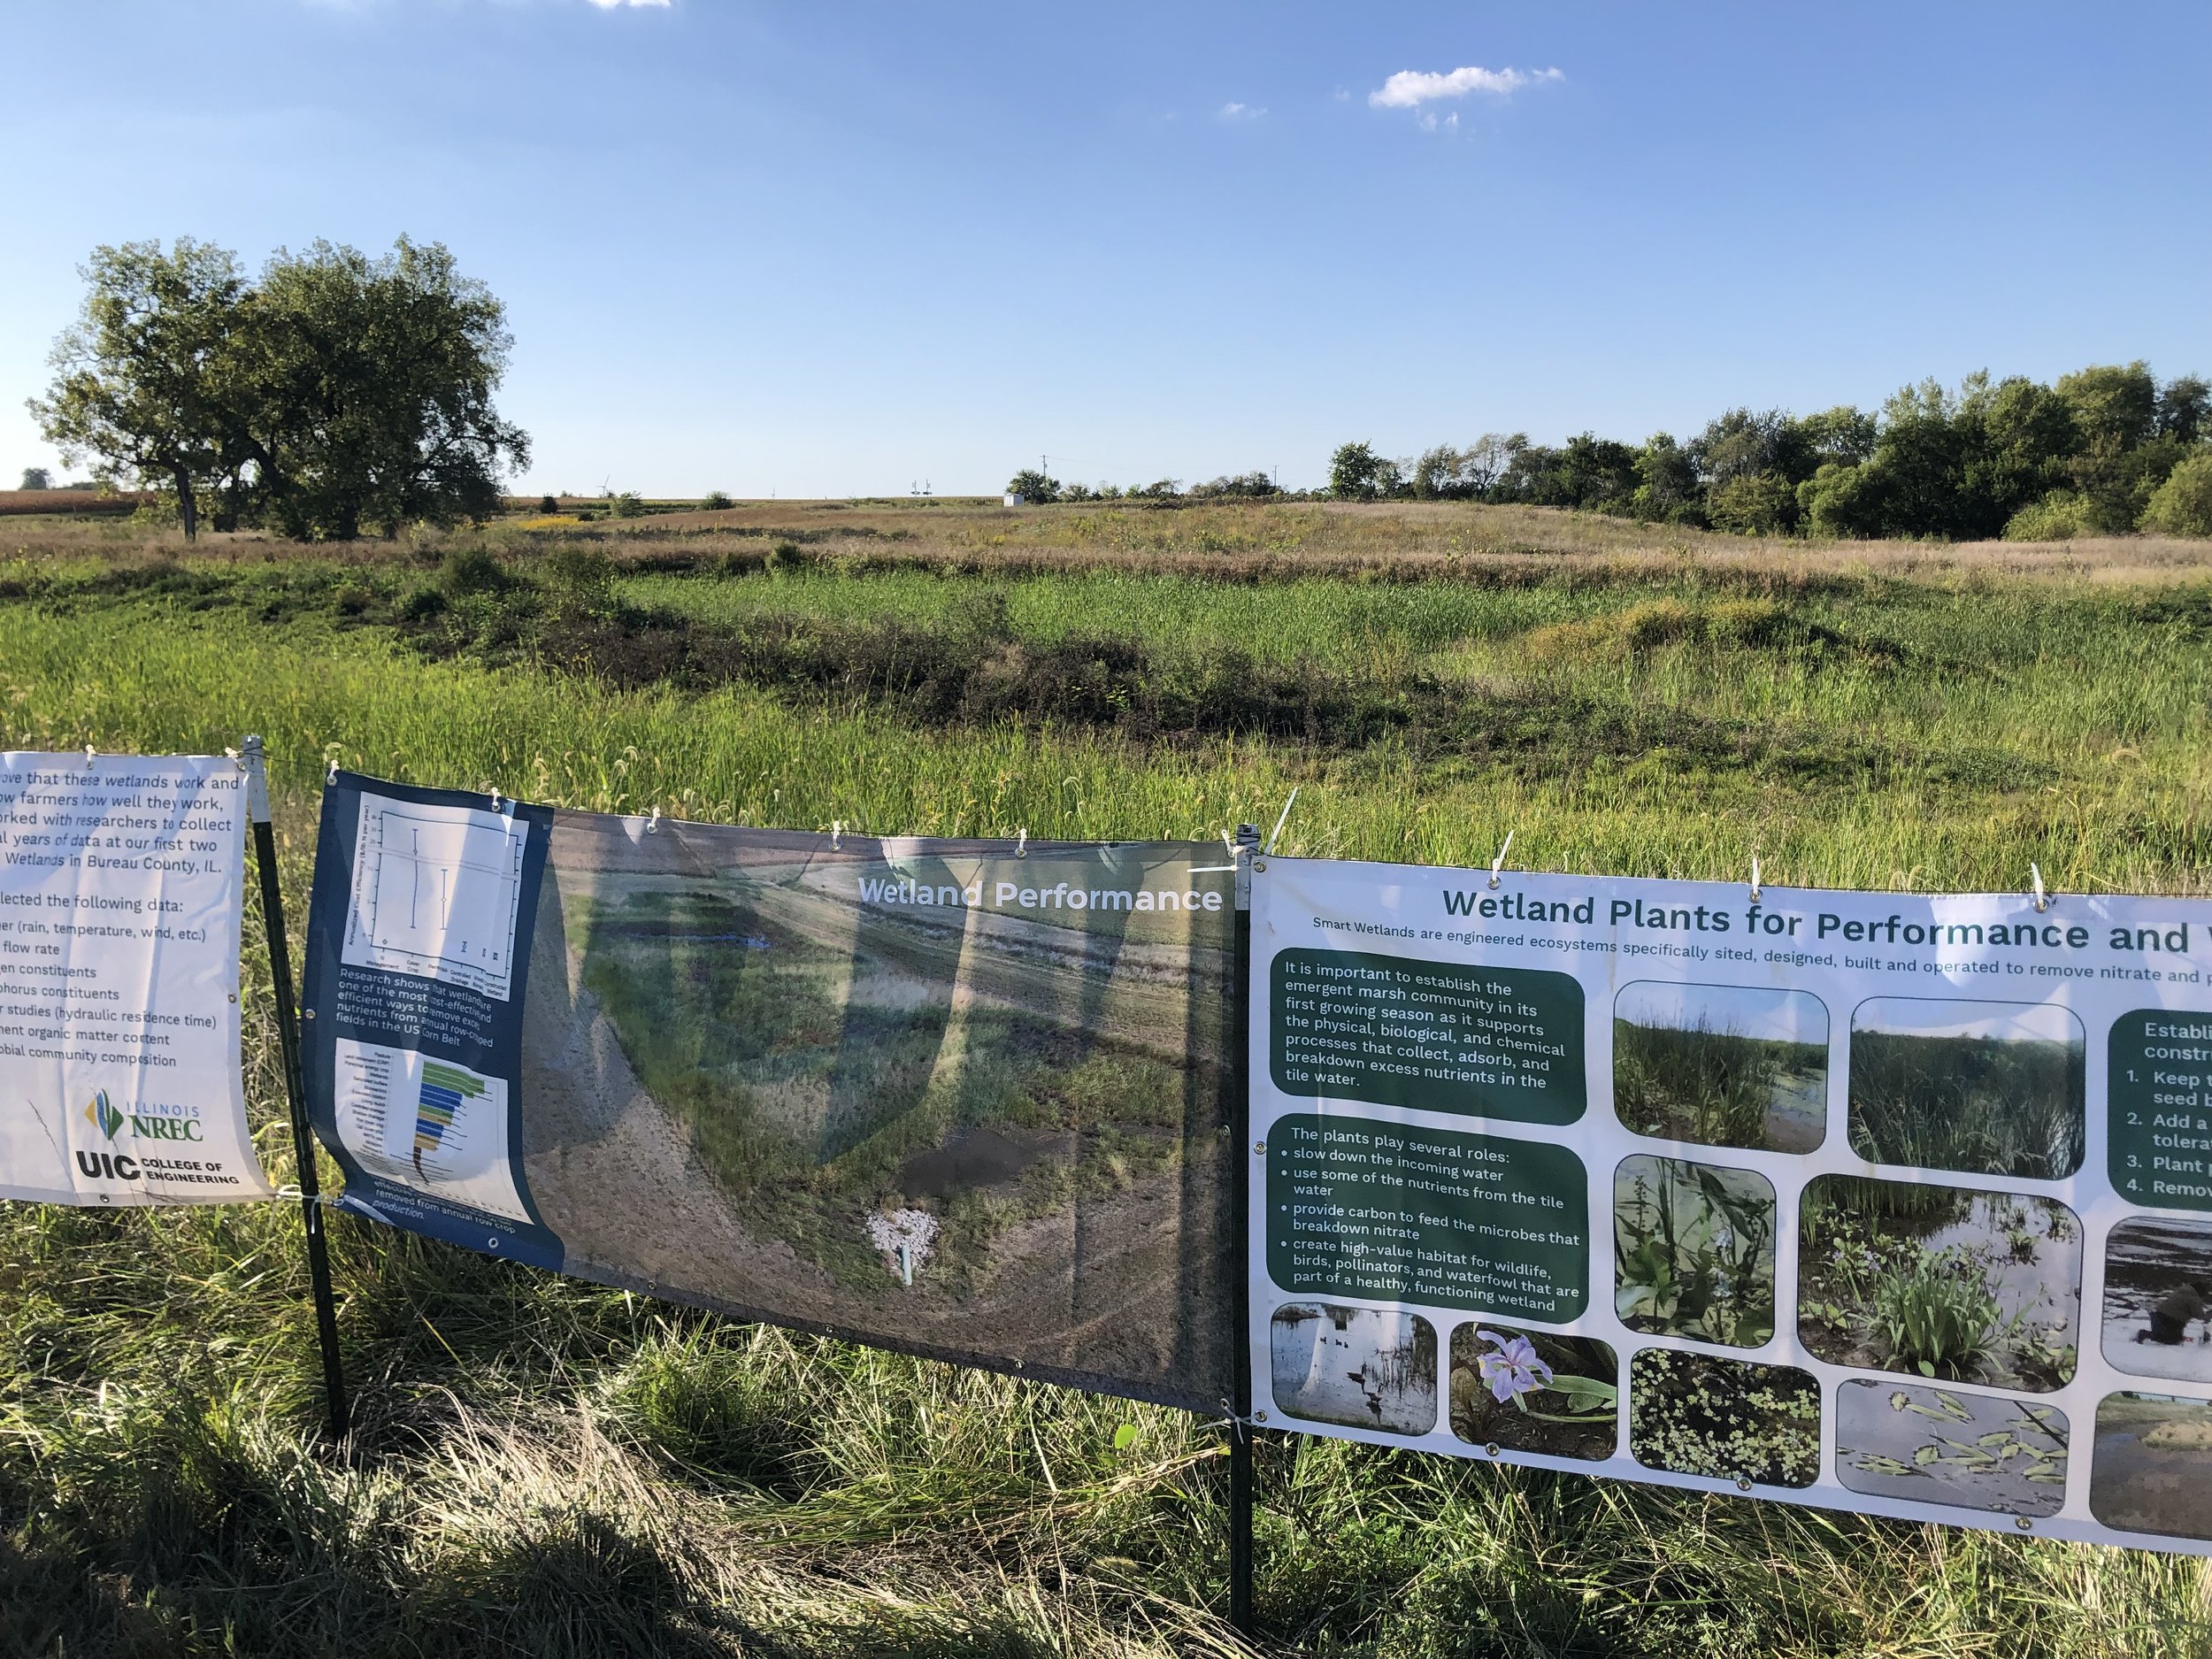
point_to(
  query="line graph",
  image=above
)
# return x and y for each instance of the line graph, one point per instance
(436, 892)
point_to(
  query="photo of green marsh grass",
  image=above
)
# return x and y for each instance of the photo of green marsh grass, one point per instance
(1985, 1088)
(1721, 1065)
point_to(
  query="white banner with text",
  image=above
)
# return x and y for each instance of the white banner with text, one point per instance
(121, 883)
(1891, 1204)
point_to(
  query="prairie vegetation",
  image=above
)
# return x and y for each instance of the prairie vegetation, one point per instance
(545, 1467)
(1684, 1066)
(1986, 1104)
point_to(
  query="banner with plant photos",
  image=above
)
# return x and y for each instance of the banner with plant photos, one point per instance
(1890, 1203)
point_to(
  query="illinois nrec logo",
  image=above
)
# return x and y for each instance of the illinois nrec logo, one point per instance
(100, 1164)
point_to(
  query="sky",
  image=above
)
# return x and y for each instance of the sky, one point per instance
(811, 250)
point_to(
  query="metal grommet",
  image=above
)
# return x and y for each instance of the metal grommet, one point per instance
(1260, 1147)
(2024, 1524)
(1491, 1448)
(1259, 1416)
(1259, 864)
(307, 1013)
(1743, 1483)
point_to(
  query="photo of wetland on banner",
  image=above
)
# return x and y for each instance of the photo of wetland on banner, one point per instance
(956, 1097)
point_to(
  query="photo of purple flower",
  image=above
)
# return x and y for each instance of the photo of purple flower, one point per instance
(1511, 1369)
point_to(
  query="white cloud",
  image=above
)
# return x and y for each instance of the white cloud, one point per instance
(1240, 112)
(1409, 88)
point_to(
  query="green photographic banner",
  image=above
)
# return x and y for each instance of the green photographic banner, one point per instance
(1892, 1203)
(962, 1098)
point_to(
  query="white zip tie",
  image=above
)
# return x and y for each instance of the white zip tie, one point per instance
(495, 797)
(2042, 899)
(90, 755)
(331, 776)
(1021, 844)
(1754, 878)
(653, 823)
(1498, 863)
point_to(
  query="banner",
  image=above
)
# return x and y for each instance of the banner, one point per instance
(1893, 1204)
(121, 884)
(963, 1098)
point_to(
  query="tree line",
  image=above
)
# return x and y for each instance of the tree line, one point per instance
(2105, 450)
(335, 395)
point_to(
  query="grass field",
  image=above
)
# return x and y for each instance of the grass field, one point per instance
(542, 1467)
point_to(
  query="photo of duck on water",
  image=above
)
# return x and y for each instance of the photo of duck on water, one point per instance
(2158, 1299)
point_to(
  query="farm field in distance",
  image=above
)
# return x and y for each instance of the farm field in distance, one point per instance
(544, 1467)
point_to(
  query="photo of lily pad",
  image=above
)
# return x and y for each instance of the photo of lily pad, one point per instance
(1696, 1414)
(1694, 1250)
(1360, 1368)
(1722, 1065)
(1946, 1446)
(1944, 1283)
(2158, 1299)
(1985, 1088)
(2150, 1469)
(1531, 1391)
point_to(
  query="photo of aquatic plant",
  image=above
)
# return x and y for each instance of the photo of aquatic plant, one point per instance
(1696, 1414)
(2150, 1467)
(1694, 1250)
(2158, 1299)
(1946, 1446)
(1721, 1064)
(1986, 1088)
(1362, 1368)
(1530, 1391)
(1942, 1282)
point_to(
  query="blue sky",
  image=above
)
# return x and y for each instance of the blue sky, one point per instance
(832, 249)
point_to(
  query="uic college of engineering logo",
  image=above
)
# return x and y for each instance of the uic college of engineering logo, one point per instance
(105, 1116)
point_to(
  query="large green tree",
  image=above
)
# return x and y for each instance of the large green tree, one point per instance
(338, 394)
(371, 382)
(145, 384)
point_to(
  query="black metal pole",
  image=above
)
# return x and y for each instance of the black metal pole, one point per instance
(1240, 1250)
(289, 1041)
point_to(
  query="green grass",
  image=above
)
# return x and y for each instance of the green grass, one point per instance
(1980, 1104)
(545, 1467)
(1697, 1083)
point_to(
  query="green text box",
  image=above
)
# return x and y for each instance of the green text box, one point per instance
(2158, 1108)
(1356, 1207)
(1482, 1043)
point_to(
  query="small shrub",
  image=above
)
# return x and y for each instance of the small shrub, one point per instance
(628, 504)
(583, 580)
(422, 603)
(788, 555)
(1756, 503)
(549, 505)
(2060, 516)
(472, 571)
(2183, 504)
(715, 501)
